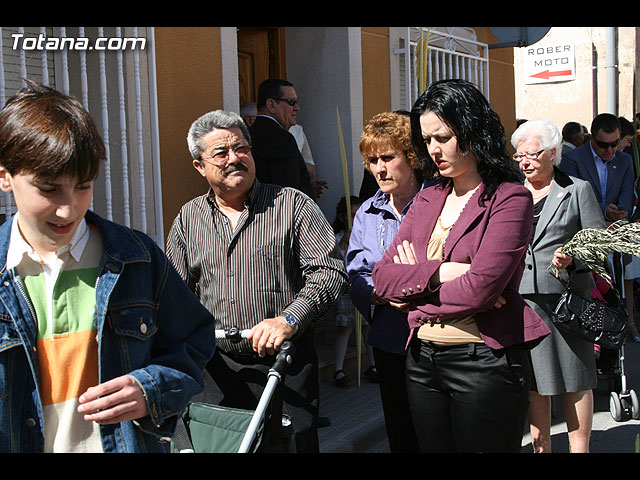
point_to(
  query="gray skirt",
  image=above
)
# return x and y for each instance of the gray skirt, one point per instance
(561, 363)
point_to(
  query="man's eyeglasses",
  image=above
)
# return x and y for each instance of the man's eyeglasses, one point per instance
(529, 156)
(221, 155)
(605, 145)
(291, 101)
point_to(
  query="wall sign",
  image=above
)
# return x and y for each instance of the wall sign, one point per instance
(549, 63)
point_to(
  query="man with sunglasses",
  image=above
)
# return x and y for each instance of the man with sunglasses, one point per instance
(275, 151)
(607, 169)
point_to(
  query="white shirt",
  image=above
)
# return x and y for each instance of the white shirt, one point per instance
(18, 248)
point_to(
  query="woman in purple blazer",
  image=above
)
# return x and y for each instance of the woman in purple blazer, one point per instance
(457, 260)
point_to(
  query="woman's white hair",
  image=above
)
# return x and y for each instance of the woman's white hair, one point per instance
(543, 130)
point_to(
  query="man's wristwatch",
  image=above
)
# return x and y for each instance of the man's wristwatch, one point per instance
(292, 322)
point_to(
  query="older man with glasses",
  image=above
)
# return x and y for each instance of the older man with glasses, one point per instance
(609, 170)
(259, 257)
(275, 151)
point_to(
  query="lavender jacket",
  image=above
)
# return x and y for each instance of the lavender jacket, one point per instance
(494, 239)
(374, 227)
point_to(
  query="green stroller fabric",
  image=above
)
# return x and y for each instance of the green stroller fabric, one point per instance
(218, 429)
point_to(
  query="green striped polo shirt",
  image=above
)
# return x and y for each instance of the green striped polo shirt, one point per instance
(62, 294)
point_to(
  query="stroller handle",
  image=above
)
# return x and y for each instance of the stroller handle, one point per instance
(283, 357)
(234, 334)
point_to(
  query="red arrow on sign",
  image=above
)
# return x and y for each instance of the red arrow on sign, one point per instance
(547, 74)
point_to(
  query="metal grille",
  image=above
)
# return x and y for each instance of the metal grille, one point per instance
(429, 54)
(111, 70)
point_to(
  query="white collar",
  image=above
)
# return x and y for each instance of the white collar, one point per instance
(18, 246)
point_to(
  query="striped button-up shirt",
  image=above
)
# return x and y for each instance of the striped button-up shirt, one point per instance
(279, 259)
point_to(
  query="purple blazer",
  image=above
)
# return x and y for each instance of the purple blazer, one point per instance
(494, 240)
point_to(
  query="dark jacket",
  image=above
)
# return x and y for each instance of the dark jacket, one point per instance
(579, 163)
(150, 326)
(276, 155)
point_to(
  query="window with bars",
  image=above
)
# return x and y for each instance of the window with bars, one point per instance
(424, 55)
(110, 70)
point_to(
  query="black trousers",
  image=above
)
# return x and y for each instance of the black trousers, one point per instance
(395, 401)
(468, 398)
(240, 381)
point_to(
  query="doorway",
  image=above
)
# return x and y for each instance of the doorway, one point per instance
(261, 55)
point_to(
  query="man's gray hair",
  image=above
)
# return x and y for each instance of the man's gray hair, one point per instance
(216, 120)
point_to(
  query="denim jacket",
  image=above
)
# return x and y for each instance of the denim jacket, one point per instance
(150, 325)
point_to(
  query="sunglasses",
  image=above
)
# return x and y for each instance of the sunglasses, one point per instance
(605, 145)
(291, 101)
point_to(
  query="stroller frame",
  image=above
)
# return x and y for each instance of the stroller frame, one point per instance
(623, 402)
(275, 375)
(623, 405)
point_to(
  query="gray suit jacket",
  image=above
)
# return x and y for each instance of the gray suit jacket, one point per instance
(570, 207)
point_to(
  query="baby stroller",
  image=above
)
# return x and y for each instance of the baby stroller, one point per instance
(623, 402)
(207, 428)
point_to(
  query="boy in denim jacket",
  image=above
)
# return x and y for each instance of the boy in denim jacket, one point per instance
(101, 343)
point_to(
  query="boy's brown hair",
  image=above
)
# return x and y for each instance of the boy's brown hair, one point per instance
(48, 134)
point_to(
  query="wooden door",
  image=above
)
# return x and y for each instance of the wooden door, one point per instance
(260, 56)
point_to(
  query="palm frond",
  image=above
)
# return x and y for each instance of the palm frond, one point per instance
(594, 245)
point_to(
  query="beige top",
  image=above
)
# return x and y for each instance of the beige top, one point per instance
(449, 332)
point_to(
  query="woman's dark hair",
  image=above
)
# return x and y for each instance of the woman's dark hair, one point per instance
(49, 134)
(477, 128)
(340, 224)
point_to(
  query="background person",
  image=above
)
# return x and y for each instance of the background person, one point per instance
(457, 260)
(248, 112)
(385, 145)
(572, 136)
(276, 155)
(562, 364)
(345, 310)
(608, 170)
(610, 173)
(305, 149)
(632, 264)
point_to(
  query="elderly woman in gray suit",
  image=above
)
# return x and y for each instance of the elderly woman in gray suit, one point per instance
(563, 205)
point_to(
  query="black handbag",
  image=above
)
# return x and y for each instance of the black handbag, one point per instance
(590, 319)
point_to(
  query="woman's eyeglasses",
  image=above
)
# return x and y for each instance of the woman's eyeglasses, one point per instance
(529, 156)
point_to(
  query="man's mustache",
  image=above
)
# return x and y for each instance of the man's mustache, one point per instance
(234, 167)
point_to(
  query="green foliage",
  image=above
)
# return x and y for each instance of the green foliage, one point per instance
(594, 245)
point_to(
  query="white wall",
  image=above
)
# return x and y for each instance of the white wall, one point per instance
(581, 99)
(325, 66)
